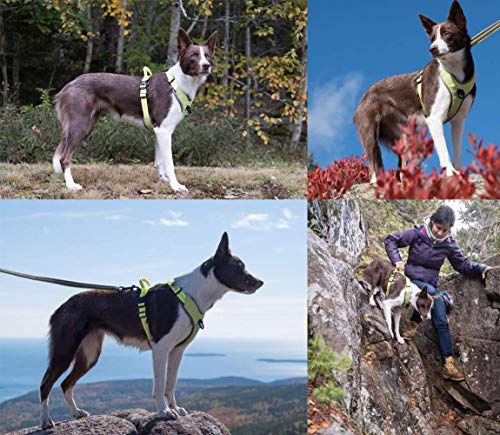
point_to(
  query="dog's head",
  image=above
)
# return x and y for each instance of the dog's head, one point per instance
(230, 271)
(424, 304)
(194, 59)
(450, 36)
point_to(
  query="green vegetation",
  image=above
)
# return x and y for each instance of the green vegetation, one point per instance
(323, 363)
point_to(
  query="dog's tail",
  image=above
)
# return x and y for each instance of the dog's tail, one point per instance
(360, 266)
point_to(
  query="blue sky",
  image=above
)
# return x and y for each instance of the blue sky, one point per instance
(119, 242)
(354, 44)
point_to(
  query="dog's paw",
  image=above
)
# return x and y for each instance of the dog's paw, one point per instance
(401, 340)
(181, 411)
(47, 423)
(168, 414)
(178, 188)
(372, 302)
(80, 413)
(74, 187)
(450, 170)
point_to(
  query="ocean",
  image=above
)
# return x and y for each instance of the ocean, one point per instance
(23, 362)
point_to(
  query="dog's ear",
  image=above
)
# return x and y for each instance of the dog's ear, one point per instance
(423, 293)
(457, 15)
(210, 42)
(428, 24)
(223, 252)
(183, 41)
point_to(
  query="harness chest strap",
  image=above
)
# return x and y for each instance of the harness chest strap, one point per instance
(458, 91)
(180, 95)
(406, 303)
(189, 305)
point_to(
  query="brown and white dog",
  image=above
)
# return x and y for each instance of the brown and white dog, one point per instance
(78, 327)
(395, 100)
(81, 102)
(376, 274)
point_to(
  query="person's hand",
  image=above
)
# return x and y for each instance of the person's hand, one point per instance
(487, 269)
(400, 265)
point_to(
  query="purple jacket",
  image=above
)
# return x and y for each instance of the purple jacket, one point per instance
(424, 259)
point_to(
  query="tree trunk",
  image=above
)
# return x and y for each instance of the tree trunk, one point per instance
(204, 28)
(294, 142)
(121, 43)
(16, 85)
(90, 42)
(248, 53)
(227, 11)
(3, 63)
(175, 24)
(150, 19)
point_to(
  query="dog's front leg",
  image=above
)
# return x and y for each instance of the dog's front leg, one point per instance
(164, 160)
(457, 132)
(397, 318)
(435, 125)
(386, 306)
(160, 357)
(174, 360)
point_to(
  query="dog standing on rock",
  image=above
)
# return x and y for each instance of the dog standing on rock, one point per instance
(81, 102)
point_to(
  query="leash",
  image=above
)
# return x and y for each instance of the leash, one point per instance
(67, 283)
(485, 33)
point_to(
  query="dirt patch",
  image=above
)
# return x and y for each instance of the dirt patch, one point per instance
(104, 181)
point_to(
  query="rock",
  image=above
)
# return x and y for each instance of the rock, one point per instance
(397, 388)
(340, 224)
(135, 422)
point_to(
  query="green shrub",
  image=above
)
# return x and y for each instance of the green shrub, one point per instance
(322, 362)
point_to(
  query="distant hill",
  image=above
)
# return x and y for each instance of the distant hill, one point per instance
(245, 406)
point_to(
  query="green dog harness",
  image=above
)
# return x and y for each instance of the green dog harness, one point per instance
(458, 91)
(187, 302)
(406, 303)
(180, 95)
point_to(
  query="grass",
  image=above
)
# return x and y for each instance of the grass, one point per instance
(139, 181)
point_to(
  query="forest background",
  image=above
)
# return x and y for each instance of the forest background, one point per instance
(251, 113)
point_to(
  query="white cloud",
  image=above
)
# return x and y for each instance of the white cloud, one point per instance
(175, 221)
(264, 222)
(332, 107)
(113, 217)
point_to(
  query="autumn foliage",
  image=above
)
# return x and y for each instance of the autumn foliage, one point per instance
(336, 179)
(411, 182)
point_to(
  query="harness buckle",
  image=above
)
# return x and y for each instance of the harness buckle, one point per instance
(460, 94)
(201, 324)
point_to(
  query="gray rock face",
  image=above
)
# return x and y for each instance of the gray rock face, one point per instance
(340, 224)
(393, 388)
(135, 422)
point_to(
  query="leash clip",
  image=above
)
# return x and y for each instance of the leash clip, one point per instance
(201, 324)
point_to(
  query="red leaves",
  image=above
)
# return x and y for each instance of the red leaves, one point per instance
(336, 179)
(415, 184)
(414, 148)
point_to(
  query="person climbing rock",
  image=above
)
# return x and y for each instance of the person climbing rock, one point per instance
(429, 246)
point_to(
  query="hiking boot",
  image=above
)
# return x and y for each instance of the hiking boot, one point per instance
(411, 331)
(450, 371)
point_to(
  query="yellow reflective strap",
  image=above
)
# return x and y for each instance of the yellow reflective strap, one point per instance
(183, 98)
(143, 95)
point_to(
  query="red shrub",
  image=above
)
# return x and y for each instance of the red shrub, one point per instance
(415, 184)
(335, 180)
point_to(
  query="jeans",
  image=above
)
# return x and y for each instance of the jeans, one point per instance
(439, 319)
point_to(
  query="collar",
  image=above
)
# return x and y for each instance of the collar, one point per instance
(406, 302)
(181, 96)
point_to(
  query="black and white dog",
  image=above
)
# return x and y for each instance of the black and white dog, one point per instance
(443, 91)
(81, 102)
(78, 327)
